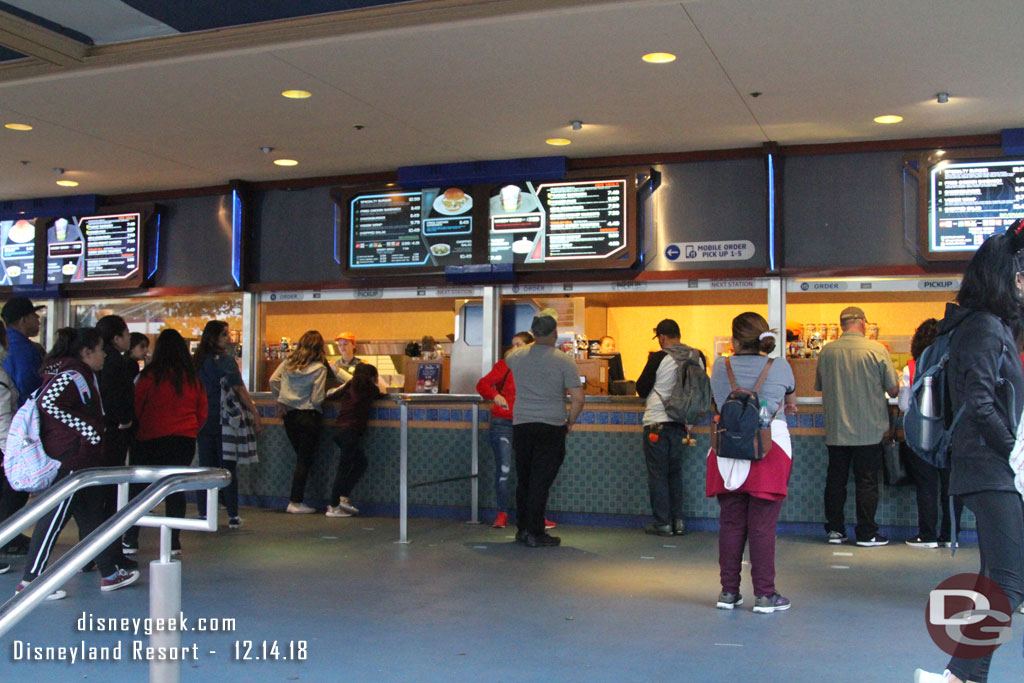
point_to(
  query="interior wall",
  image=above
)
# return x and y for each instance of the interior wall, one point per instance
(379, 319)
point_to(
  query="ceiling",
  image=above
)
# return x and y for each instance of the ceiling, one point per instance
(143, 95)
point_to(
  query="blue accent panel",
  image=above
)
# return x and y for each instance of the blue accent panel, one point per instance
(480, 273)
(154, 249)
(515, 318)
(771, 212)
(75, 205)
(1013, 141)
(236, 238)
(471, 172)
(188, 15)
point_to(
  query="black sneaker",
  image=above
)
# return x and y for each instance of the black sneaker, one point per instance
(919, 542)
(679, 527)
(729, 600)
(873, 542)
(4, 567)
(521, 536)
(836, 537)
(658, 529)
(129, 548)
(126, 563)
(17, 546)
(542, 540)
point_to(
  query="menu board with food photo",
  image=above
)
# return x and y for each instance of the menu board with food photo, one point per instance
(431, 227)
(94, 249)
(17, 251)
(552, 222)
(972, 200)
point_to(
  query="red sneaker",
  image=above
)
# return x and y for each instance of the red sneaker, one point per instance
(548, 524)
(501, 521)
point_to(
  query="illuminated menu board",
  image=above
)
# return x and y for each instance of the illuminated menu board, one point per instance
(430, 228)
(558, 222)
(94, 249)
(17, 251)
(972, 200)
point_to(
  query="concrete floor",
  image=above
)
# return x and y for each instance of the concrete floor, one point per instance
(464, 603)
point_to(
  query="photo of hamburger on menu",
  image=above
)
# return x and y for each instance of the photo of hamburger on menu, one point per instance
(453, 202)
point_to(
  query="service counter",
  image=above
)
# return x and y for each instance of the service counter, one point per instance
(602, 481)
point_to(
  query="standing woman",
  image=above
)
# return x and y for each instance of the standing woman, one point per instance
(498, 386)
(71, 431)
(170, 405)
(213, 363)
(750, 494)
(985, 380)
(355, 400)
(298, 387)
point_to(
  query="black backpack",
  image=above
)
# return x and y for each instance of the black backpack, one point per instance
(736, 432)
(690, 399)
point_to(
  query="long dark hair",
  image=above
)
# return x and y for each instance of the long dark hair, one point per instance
(111, 326)
(747, 329)
(70, 342)
(989, 284)
(171, 361)
(364, 381)
(208, 342)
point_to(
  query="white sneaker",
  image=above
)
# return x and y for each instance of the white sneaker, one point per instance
(347, 506)
(922, 676)
(58, 594)
(299, 509)
(336, 512)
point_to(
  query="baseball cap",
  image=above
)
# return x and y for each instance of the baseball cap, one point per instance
(667, 327)
(852, 313)
(16, 308)
(346, 335)
(544, 323)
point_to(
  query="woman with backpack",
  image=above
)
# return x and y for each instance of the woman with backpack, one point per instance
(298, 387)
(750, 492)
(71, 432)
(170, 406)
(355, 400)
(985, 380)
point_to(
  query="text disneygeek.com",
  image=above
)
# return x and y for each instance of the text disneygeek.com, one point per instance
(139, 649)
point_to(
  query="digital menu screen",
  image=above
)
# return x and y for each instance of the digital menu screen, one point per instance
(559, 222)
(429, 229)
(971, 200)
(94, 249)
(17, 251)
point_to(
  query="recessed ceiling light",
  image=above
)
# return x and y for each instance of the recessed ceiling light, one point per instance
(888, 118)
(18, 126)
(558, 142)
(67, 183)
(286, 162)
(659, 57)
(297, 94)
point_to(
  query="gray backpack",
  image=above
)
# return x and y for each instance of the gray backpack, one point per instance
(690, 400)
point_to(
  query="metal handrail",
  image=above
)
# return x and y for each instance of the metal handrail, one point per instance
(166, 480)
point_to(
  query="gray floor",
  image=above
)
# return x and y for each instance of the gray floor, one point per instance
(464, 603)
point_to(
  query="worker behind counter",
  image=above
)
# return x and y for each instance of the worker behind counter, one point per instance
(606, 349)
(345, 366)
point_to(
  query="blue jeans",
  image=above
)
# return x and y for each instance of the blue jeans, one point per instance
(501, 445)
(665, 472)
(210, 450)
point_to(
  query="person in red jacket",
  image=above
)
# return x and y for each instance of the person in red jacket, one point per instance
(71, 431)
(497, 386)
(170, 406)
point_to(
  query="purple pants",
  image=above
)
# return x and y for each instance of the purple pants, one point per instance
(745, 518)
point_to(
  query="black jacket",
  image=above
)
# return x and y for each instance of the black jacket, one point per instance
(117, 388)
(984, 376)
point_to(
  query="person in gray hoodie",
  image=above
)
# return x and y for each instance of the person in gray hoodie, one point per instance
(298, 386)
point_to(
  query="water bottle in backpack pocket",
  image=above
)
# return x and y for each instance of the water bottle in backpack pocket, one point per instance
(742, 428)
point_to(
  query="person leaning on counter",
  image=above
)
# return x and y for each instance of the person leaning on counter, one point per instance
(345, 366)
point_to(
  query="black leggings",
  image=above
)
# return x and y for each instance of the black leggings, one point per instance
(1000, 518)
(303, 430)
(164, 451)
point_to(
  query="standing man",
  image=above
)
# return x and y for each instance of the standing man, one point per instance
(853, 376)
(663, 439)
(543, 375)
(22, 364)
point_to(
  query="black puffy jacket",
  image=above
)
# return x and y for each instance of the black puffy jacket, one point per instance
(985, 376)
